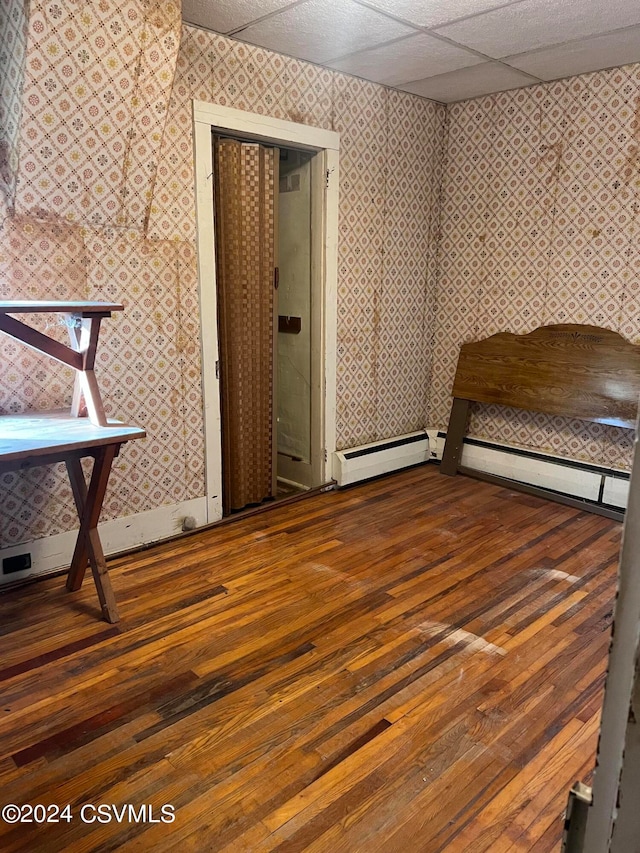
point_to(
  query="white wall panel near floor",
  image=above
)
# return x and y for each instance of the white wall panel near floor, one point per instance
(121, 534)
(380, 457)
(559, 474)
(603, 486)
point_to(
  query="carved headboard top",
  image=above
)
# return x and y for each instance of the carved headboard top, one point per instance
(569, 370)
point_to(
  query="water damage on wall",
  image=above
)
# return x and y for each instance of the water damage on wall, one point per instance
(84, 100)
(13, 42)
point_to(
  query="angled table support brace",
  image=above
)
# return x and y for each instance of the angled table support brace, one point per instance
(51, 437)
(82, 319)
(28, 441)
(88, 545)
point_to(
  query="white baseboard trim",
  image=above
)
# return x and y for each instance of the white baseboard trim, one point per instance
(53, 553)
(598, 484)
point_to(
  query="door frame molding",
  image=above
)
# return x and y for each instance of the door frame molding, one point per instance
(213, 117)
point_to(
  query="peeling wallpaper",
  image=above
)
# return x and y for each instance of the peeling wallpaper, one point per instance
(105, 209)
(98, 76)
(500, 213)
(540, 225)
(13, 41)
(390, 168)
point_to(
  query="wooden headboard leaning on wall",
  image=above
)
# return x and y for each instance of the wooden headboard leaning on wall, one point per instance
(574, 371)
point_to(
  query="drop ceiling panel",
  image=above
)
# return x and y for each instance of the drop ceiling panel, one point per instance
(531, 24)
(319, 30)
(408, 59)
(224, 16)
(469, 83)
(435, 12)
(425, 46)
(617, 48)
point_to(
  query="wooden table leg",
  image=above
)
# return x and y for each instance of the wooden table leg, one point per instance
(455, 437)
(88, 545)
(84, 340)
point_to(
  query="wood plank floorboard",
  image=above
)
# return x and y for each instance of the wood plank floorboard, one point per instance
(411, 664)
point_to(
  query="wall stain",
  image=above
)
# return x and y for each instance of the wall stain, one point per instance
(298, 116)
(552, 153)
(632, 162)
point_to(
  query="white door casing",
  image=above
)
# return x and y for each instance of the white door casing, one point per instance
(212, 117)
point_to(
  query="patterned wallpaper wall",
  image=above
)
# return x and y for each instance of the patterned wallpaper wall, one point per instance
(104, 209)
(97, 81)
(13, 40)
(537, 202)
(540, 217)
(390, 167)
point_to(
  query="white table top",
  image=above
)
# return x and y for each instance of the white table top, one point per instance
(44, 433)
(36, 306)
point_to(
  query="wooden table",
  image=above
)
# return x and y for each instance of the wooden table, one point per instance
(41, 439)
(82, 320)
(27, 441)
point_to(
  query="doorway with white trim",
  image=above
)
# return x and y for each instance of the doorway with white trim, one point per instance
(304, 306)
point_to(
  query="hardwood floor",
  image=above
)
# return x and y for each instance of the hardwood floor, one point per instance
(415, 664)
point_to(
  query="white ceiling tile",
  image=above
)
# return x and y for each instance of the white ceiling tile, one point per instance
(410, 58)
(578, 57)
(539, 39)
(224, 16)
(531, 24)
(469, 83)
(435, 12)
(321, 29)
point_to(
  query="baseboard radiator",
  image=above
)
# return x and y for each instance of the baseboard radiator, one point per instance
(597, 485)
(381, 457)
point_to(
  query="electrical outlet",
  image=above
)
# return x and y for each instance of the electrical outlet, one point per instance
(17, 563)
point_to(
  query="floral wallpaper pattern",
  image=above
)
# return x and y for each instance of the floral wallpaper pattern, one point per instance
(455, 222)
(540, 204)
(13, 40)
(104, 209)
